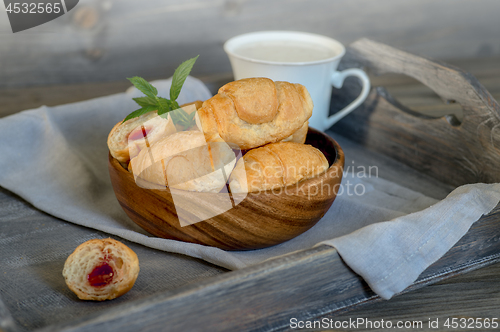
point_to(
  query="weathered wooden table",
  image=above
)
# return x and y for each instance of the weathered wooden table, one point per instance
(209, 298)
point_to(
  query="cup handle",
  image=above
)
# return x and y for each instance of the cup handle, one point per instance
(338, 78)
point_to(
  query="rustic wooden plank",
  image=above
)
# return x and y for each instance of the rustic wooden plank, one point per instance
(486, 70)
(105, 40)
(422, 99)
(268, 295)
(7, 323)
(19, 99)
(471, 295)
(434, 146)
(416, 88)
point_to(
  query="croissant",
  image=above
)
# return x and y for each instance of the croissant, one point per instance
(276, 165)
(127, 139)
(252, 112)
(185, 161)
(101, 269)
(299, 136)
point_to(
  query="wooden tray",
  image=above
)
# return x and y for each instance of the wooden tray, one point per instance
(316, 282)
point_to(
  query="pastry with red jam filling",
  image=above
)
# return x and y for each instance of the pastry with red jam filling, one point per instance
(101, 269)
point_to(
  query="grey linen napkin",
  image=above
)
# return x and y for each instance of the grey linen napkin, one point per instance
(56, 159)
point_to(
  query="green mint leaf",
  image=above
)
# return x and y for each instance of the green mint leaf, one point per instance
(180, 75)
(174, 104)
(183, 114)
(163, 106)
(146, 101)
(182, 118)
(175, 117)
(139, 112)
(191, 117)
(178, 116)
(144, 86)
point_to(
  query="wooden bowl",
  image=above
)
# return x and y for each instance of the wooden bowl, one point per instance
(260, 220)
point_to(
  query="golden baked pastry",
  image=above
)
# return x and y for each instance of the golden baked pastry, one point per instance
(299, 136)
(255, 111)
(196, 103)
(101, 269)
(184, 160)
(276, 165)
(127, 139)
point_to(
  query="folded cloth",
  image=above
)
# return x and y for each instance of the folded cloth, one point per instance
(391, 255)
(56, 159)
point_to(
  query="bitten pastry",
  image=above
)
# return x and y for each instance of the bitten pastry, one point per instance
(255, 111)
(101, 270)
(276, 165)
(127, 139)
(185, 161)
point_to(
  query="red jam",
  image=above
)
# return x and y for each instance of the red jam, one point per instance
(101, 275)
(139, 133)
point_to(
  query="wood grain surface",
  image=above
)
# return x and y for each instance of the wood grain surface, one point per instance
(108, 40)
(256, 220)
(295, 293)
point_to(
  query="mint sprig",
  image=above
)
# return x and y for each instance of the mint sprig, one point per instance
(182, 118)
(144, 86)
(152, 102)
(145, 101)
(180, 75)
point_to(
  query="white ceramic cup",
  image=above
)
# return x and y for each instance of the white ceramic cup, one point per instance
(297, 57)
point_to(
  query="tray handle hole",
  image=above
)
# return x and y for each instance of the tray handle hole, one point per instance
(416, 98)
(404, 92)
